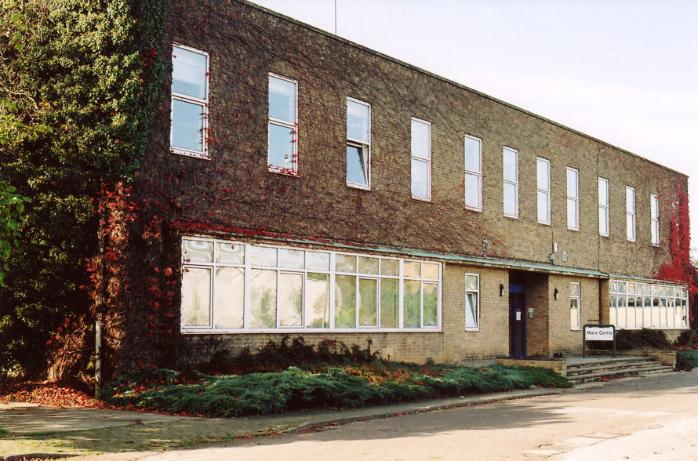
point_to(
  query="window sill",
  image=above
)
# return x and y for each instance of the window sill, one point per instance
(478, 210)
(422, 199)
(510, 216)
(283, 171)
(544, 223)
(573, 229)
(281, 331)
(472, 330)
(186, 153)
(358, 186)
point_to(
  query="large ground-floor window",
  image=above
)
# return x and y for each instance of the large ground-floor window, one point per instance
(636, 305)
(230, 287)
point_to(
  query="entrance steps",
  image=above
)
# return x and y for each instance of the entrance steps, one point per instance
(584, 370)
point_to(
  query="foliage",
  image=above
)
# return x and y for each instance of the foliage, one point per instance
(11, 215)
(687, 360)
(687, 339)
(638, 339)
(333, 387)
(79, 82)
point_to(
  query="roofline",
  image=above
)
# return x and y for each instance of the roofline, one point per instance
(250, 4)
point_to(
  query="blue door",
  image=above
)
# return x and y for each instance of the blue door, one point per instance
(517, 320)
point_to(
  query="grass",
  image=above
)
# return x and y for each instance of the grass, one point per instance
(347, 386)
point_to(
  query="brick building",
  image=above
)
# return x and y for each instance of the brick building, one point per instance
(322, 189)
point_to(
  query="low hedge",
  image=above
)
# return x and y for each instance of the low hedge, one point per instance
(333, 387)
(686, 360)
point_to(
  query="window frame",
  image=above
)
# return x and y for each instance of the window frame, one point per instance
(654, 221)
(654, 304)
(465, 302)
(605, 207)
(474, 173)
(539, 161)
(514, 183)
(365, 148)
(574, 199)
(204, 103)
(293, 171)
(578, 297)
(414, 158)
(632, 215)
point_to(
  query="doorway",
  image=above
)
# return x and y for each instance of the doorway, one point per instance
(517, 320)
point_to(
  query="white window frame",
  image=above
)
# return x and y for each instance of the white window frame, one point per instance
(332, 272)
(465, 302)
(366, 148)
(630, 231)
(578, 297)
(666, 314)
(573, 199)
(654, 220)
(192, 100)
(604, 206)
(414, 158)
(514, 183)
(469, 172)
(539, 162)
(293, 171)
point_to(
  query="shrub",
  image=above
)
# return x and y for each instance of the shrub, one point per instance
(638, 339)
(687, 339)
(687, 360)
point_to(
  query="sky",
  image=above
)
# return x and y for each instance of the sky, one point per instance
(625, 71)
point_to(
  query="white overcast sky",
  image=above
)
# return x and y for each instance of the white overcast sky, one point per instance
(625, 71)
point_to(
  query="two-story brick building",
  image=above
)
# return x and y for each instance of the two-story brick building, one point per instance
(323, 189)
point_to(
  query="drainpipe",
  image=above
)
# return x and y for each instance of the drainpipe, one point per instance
(98, 357)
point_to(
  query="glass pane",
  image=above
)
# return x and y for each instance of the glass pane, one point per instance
(471, 306)
(510, 199)
(420, 178)
(630, 227)
(368, 265)
(603, 221)
(543, 174)
(368, 302)
(412, 305)
(317, 261)
(572, 189)
(357, 169)
(431, 294)
(471, 283)
(430, 271)
(390, 267)
(197, 251)
(187, 125)
(358, 121)
(196, 297)
(230, 297)
(389, 303)
(574, 289)
(263, 256)
(572, 214)
(318, 300)
(290, 300)
(281, 146)
(510, 167)
(630, 200)
(282, 99)
(603, 192)
(630, 313)
(292, 259)
(230, 253)
(345, 301)
(543, 211)
(188, 73)
(421, 142)
(472, 155)
(472, 190)
(654, 207)
(412, 269)
(263, 308)
(574, 318)
(345, 263)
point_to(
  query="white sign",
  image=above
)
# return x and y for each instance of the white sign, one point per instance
(598, 333)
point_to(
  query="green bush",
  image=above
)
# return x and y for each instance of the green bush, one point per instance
(687, 360)
(334, 387)
(638, 339)
(687, 338)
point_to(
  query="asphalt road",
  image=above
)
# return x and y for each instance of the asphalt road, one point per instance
(642, 419)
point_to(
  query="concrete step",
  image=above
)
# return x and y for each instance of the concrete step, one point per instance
(610, 366)
(657, 368)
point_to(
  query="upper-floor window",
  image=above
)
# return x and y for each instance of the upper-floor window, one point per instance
(543, 190)
(572, 198)
(189, 101)
(473, 173)
(282, 149)
(358, 144)
(421, 159)
(603, 207)
(630, 213)
(472, 302)
(654, 219)
(510, 161)
(575, 306)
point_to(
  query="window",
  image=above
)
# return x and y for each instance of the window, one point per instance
(603, 207)
(472, 302)
(189, 111)
(572, 199)
(473, 173)
(543, 190)
(230, 287)
(282, 148)
(654, 219)
(637, 305)
(575, 306)
(421, 159)
(358, 144)
(630, 213)
(510, 161)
